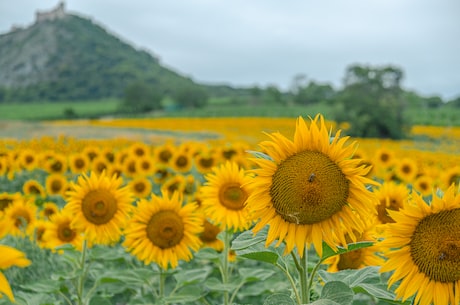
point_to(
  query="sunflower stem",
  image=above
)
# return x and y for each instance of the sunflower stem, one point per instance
(224, 269)
(304, 283)
(81, 278)
(162, 284)
(312, 274)
(291, 281)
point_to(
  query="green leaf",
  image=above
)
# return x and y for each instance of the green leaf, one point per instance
(208, 254)
(368, 275)
(186, 277)
(262, 256)
(251, 274)
(278, 299)
(99, 301)
(185, 295)
(215, 285)
(106, 253)
(324, 302)
(338, 292)
(248, 239)
(329, 252)
(353, 277)
(378, 291)
(42, 287)
(253, 247)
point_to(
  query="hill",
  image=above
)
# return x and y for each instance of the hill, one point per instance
(64, 56)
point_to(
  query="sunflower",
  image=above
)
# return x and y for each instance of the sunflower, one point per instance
(6, 199)
(139, 149)
(175, 183)
(130, 168)
(10, 257)
(391, 196)
(99, 206)
(164, 231)
(56, 184)
(384, 157)
(205, 161)
(22, 215)
(59, 232)
(310, 190)
(209, 236)
(406, 169)
(115, 170)
(140, 186)
(79, 163)
(108, 154)
(423, 249)
(28, 159)
(224, 195)
(145, 165)
(424, 185)
(100, 164)
(181, 161)
(33, 188)
(40, 228)
(49, 208)
(91, 152)
(451, 176)
(162, 154)
(57, 164)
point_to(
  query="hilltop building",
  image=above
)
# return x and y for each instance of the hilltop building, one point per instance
(57, 13)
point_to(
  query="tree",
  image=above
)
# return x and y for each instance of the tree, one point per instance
(142, 97)
(454, 102)
(372, 102)
(190, 96)
(314, 93)
(434, 101)
(273, 95)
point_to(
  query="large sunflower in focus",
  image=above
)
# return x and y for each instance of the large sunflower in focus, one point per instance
(312, 190)
(224, 196)
(163, 231)
(100, 207)
(423, 249)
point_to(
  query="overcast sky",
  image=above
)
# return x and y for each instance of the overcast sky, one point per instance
(268, 42)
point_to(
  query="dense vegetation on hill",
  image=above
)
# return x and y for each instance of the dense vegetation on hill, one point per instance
(73, 58)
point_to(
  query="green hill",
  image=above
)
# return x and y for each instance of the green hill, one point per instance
(64, 56)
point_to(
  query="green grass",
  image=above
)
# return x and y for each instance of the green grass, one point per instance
(225, 110)
(444, 116)
(57, 110)
(217, 107)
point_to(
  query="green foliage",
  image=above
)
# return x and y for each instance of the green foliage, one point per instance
(454, 102)
(81, 60)
(372, 102)
(190, 96)
(314, 93)
(341, 288)
(141, 97)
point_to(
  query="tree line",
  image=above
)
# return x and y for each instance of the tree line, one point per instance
(372, 99)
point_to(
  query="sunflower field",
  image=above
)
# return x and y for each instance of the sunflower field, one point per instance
(227, 211)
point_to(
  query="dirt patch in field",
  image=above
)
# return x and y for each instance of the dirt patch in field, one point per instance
(22, 130)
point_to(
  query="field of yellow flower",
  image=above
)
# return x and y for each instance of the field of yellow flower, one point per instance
(229, 211)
